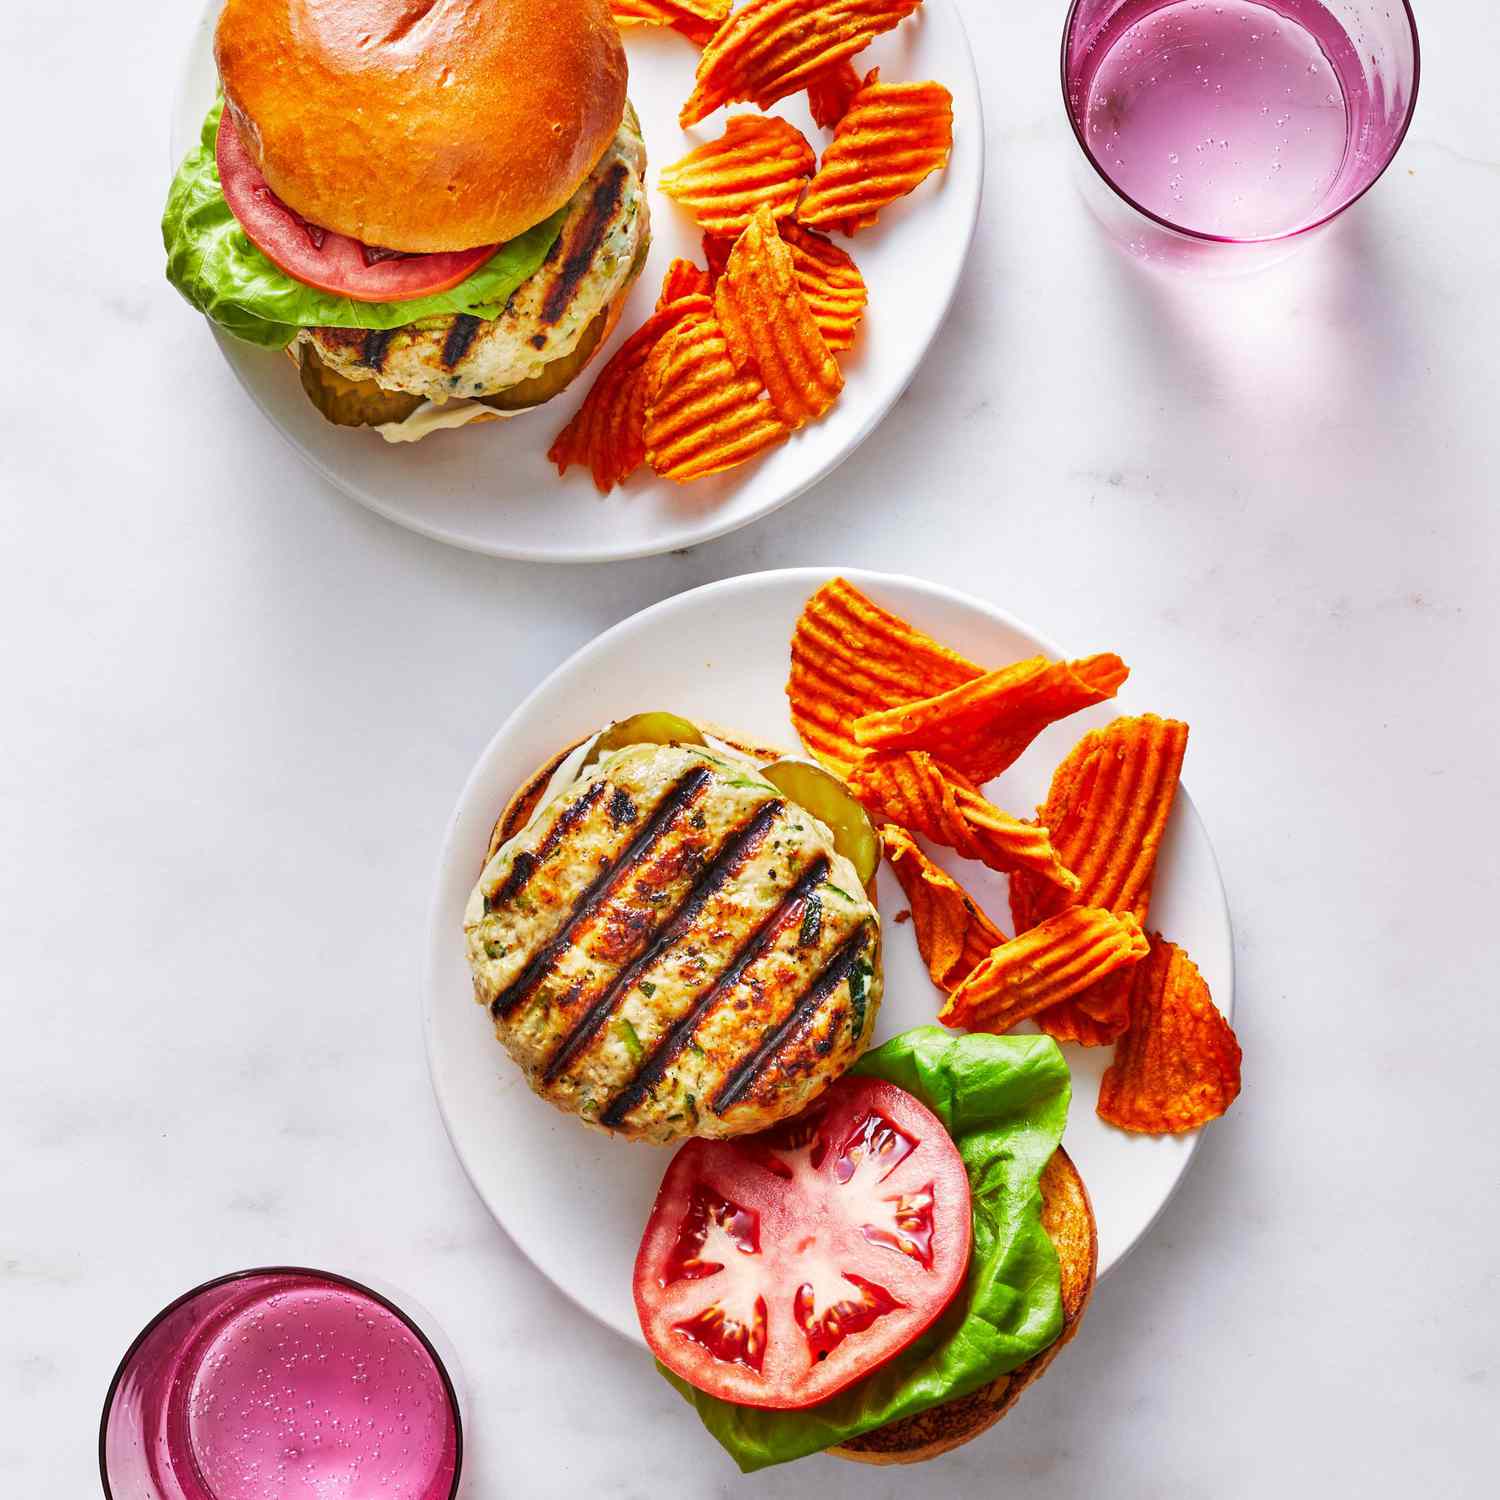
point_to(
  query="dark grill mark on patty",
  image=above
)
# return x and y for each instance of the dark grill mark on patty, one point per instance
(377, 344)
(461, 333)
(341, 339)
(526, 862)
(586, 241)
(621, 809)
(729, 860)
(654, 1067)
(685, 791)
(835, 972)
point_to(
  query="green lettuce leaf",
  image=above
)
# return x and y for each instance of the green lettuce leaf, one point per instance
(1004, 1100)
(211, 261)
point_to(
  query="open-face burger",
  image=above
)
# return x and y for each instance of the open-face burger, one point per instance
(865, 1253)
(435, 206)
(672, 932)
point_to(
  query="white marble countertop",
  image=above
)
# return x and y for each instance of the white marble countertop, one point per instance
(238, 708)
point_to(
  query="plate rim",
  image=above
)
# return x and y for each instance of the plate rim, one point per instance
(236, 359)
(815, 576)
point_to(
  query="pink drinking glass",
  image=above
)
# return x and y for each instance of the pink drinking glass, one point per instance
(283, 1380)
(1221, 134)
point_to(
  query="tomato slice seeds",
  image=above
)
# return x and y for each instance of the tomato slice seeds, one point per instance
(778, 1269)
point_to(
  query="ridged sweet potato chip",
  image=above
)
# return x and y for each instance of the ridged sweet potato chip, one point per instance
(769, 327)
(683, 279)
(759, 161)
(716, 248)
(830, 281)
(697, 20)
(771, 48)
(1178, 1064)
(607, 433)
(850, 657)
(888, 139)
(921, 794)
(981, 727)
(1035, 969)
(1109, 804)
(1094, 1017)
(701, 415)
(828, 94)
(953, 935)
(1107, 808)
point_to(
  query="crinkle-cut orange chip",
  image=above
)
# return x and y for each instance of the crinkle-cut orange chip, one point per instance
(1095, 1017)
(1035, 969)
(1107, 808)
(828, 94)
(981, 727)
(1178, 1064)
(953, 935)
(716, 249)
(770, 328)
(695, 19)
(890, 137)
(830, 281)
(1109, 804)
(607, 433)
(921, 794)
(771, 48)
(850, 657)
(701, 416)
(683, 279)
(759, 161)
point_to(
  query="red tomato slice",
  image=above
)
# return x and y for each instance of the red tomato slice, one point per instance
(777, 1269)
(319, 257)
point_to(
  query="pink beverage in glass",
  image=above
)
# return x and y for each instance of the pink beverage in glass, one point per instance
(279, 1385)
(1235, 121)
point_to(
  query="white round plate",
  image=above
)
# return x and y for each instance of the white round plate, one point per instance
(491, 489)
(576, 1200)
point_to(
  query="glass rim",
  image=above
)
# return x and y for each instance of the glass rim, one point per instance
(346, 1281)
(1223, 239)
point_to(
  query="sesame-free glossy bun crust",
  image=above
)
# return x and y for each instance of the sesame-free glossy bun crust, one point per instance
(423, 125)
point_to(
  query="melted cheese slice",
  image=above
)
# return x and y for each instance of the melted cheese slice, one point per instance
(436, 416)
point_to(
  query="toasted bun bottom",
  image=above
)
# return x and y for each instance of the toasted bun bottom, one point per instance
(1068, 1218)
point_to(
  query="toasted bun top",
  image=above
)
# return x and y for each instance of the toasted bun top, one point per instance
(423, 125)
(1068, 1218)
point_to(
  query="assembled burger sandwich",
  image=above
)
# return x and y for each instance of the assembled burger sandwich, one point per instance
(436, 207)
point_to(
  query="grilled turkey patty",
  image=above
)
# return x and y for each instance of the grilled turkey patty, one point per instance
(672, 948)
(458, 355)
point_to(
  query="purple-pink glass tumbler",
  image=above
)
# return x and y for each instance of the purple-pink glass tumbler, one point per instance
(1221, 133)
(277, 1382)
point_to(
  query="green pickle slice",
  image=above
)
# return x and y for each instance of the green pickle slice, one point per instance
(643, 729)
(555, 376)
(831, 802)
(811, 787)
(352, 403)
